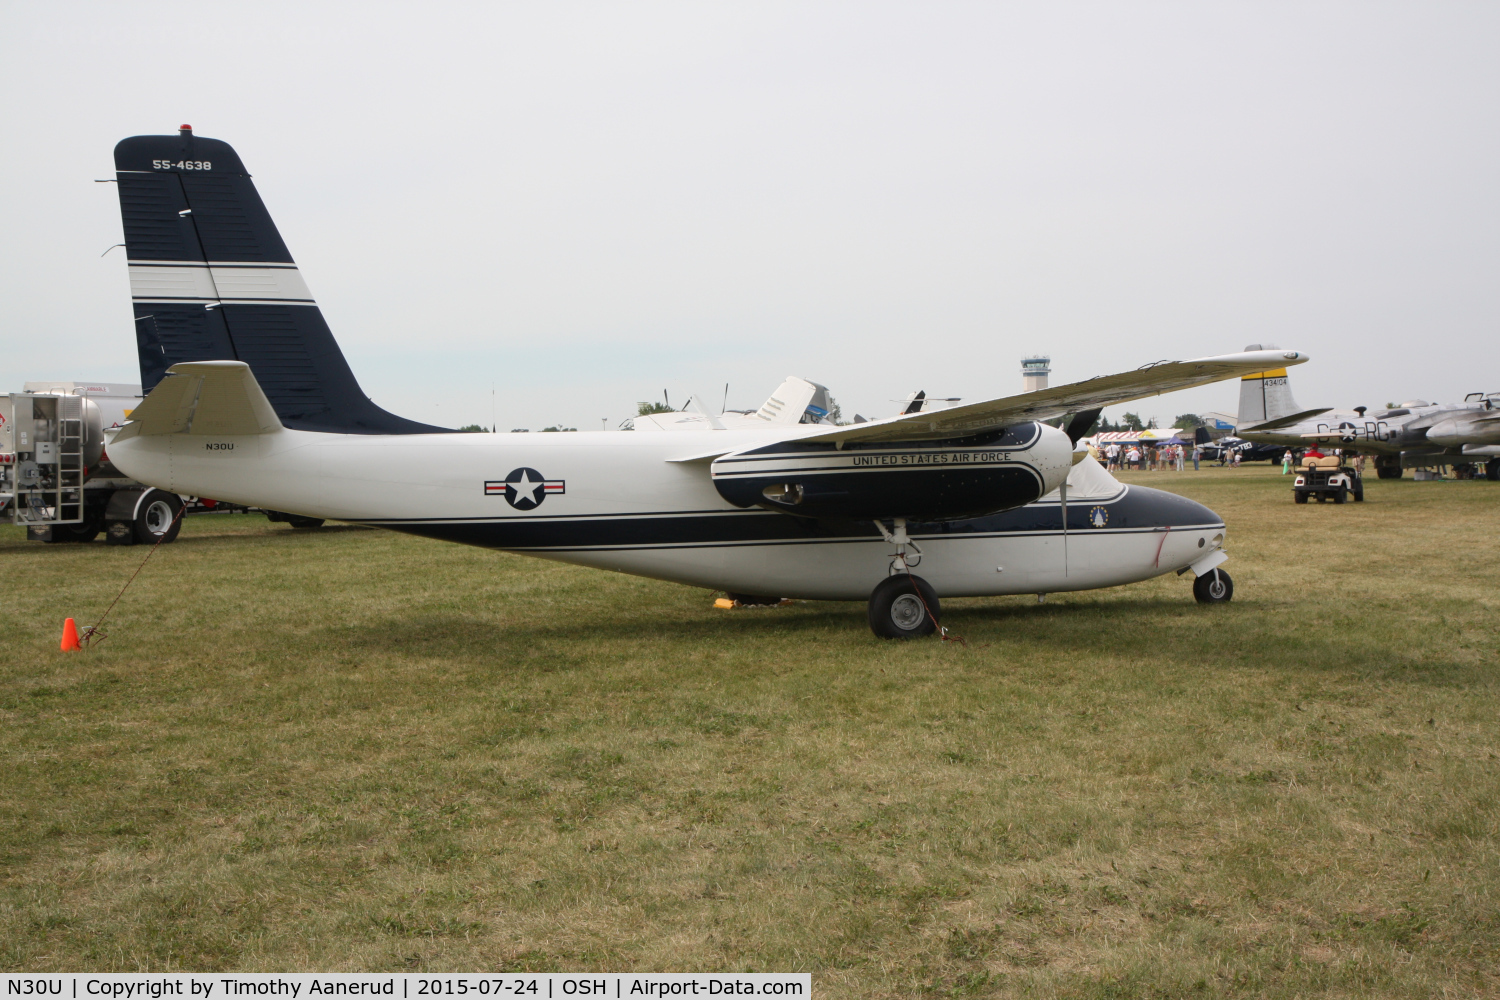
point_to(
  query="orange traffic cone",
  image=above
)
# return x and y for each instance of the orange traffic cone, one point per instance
(70, 636)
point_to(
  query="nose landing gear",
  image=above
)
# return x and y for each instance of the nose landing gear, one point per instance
(1213, 587)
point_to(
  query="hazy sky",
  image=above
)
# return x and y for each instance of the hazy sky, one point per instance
(583, 204)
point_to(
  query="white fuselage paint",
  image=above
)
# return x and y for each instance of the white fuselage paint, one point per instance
(622, 478)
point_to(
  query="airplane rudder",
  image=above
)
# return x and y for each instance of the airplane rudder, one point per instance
(1278, 393)
(1252, 399)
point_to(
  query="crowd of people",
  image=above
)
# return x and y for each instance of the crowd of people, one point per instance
(1169, 457)
(1152, 457)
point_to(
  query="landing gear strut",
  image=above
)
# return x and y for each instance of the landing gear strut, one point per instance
(903, 606)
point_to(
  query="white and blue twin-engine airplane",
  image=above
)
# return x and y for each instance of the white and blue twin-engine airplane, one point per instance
(251, 401)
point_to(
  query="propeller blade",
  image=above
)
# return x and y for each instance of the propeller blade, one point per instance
(1082, 423)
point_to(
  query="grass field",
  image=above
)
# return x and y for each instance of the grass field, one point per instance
(353, 750)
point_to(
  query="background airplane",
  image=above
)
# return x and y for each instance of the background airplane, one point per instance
(1412, 435)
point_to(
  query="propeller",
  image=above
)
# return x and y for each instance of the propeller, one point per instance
(1082, 423)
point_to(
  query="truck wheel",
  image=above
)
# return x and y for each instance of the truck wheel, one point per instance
(1300, 497)
(1213, 587)
(156, 518)
(85, 532)
(1359, 490)
(900, 606)
(1341, 495)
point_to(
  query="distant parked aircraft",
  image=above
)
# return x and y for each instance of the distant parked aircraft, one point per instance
(1414, 434)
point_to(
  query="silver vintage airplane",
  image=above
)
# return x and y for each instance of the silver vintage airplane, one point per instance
(1412, 435)
(251, 401)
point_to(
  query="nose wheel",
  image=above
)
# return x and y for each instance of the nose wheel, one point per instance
(1213, 587)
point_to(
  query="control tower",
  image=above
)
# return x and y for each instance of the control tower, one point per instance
(1034, 372)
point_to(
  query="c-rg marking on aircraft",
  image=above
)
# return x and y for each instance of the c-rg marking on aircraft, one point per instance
(776, 502)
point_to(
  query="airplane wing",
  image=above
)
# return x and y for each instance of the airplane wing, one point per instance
(219, 398)
(1101, 391)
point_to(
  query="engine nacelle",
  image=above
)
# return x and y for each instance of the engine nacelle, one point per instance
(921, 480)
(1455, 432)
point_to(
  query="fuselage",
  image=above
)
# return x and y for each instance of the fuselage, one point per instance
(628, 501)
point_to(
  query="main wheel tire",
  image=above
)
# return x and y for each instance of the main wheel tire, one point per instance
(1213, 587)
(903, 607)
(753, 600)
(297, 521)
(1492, 470)
(156, 518)
(1300, 497)
(1387, 472)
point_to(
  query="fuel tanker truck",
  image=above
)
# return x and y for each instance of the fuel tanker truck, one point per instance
(56, 478)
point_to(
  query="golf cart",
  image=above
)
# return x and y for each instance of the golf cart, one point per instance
(1325, 476)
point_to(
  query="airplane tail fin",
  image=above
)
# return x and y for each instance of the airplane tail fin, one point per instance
(796, 400)
(211, 280)
(1265, 395)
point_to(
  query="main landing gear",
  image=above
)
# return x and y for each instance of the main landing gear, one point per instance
(903, 606)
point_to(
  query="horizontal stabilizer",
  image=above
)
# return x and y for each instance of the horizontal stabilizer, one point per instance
(1286, 421)
(706, 456)
(1104, 390)
(213, 398)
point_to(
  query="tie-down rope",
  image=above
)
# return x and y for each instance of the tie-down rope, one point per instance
(95, 633)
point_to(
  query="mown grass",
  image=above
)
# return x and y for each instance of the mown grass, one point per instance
(354, 750)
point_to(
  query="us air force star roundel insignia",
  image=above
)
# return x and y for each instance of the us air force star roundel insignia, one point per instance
(525, 489)
(1098, 517)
